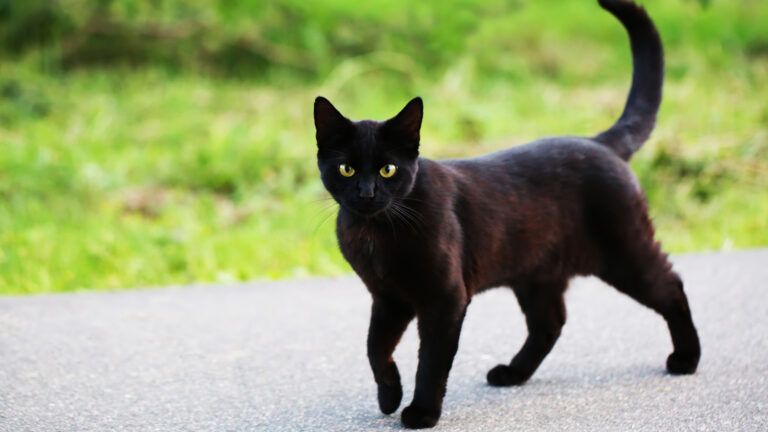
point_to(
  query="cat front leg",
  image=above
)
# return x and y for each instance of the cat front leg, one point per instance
(389, 319)
(439, 330)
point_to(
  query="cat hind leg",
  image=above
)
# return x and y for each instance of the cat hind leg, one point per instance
(648, 278)
(544, 311)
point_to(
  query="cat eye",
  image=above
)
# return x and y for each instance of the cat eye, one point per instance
(388, 170)
(346, 170)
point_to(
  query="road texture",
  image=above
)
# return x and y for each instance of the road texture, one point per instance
(289, 356)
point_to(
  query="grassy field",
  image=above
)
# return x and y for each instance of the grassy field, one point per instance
(170, 171)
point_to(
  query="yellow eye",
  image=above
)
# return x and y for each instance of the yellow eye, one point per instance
(388, 170)
(346, 170)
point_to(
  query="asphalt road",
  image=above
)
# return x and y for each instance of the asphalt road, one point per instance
(289, 356)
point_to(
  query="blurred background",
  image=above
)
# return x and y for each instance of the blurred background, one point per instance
(155, 142)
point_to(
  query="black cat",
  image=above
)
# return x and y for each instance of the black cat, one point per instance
(425, 236)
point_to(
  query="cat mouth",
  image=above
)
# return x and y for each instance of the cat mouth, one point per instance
(368, 209)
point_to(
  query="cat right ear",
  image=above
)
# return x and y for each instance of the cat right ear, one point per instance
(407, 123)
(328, 120)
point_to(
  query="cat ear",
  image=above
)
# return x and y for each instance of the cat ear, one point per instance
(328, 120)
(407, 123)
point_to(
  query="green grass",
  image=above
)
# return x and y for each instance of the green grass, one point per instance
(128, 176)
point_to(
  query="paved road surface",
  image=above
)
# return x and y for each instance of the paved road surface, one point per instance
(289, 356)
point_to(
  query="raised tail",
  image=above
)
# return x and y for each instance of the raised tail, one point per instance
(639, 117)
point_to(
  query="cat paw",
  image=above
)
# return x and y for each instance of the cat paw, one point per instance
(682, 363)
(505, 376)
(414, 417)
(390, 397)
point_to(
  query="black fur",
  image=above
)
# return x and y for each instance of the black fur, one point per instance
(639, 116)
(428, 238)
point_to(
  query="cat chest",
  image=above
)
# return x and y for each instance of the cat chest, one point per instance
(385, 260)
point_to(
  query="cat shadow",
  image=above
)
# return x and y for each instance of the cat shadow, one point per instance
(461, 409)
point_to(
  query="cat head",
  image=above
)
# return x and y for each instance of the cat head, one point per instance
(366, 165)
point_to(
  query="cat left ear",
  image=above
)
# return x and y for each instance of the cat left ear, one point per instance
(328, 120)
(407, 123)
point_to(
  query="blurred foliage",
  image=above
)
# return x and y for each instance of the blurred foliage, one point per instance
(240, 37)
(147, 142)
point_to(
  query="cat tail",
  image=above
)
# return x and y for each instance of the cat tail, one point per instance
(634, 126)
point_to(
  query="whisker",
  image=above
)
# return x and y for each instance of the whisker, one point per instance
(417, 217)
(420, 201)
(391, 224)
(327, 198)
(325, 218)
(411, 212)
(404, 217)
(399, 217)
(395, 213)
(327, 207)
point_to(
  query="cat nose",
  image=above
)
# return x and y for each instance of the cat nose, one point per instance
(367, 190)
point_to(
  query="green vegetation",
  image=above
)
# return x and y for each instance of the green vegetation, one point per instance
(148, 143)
